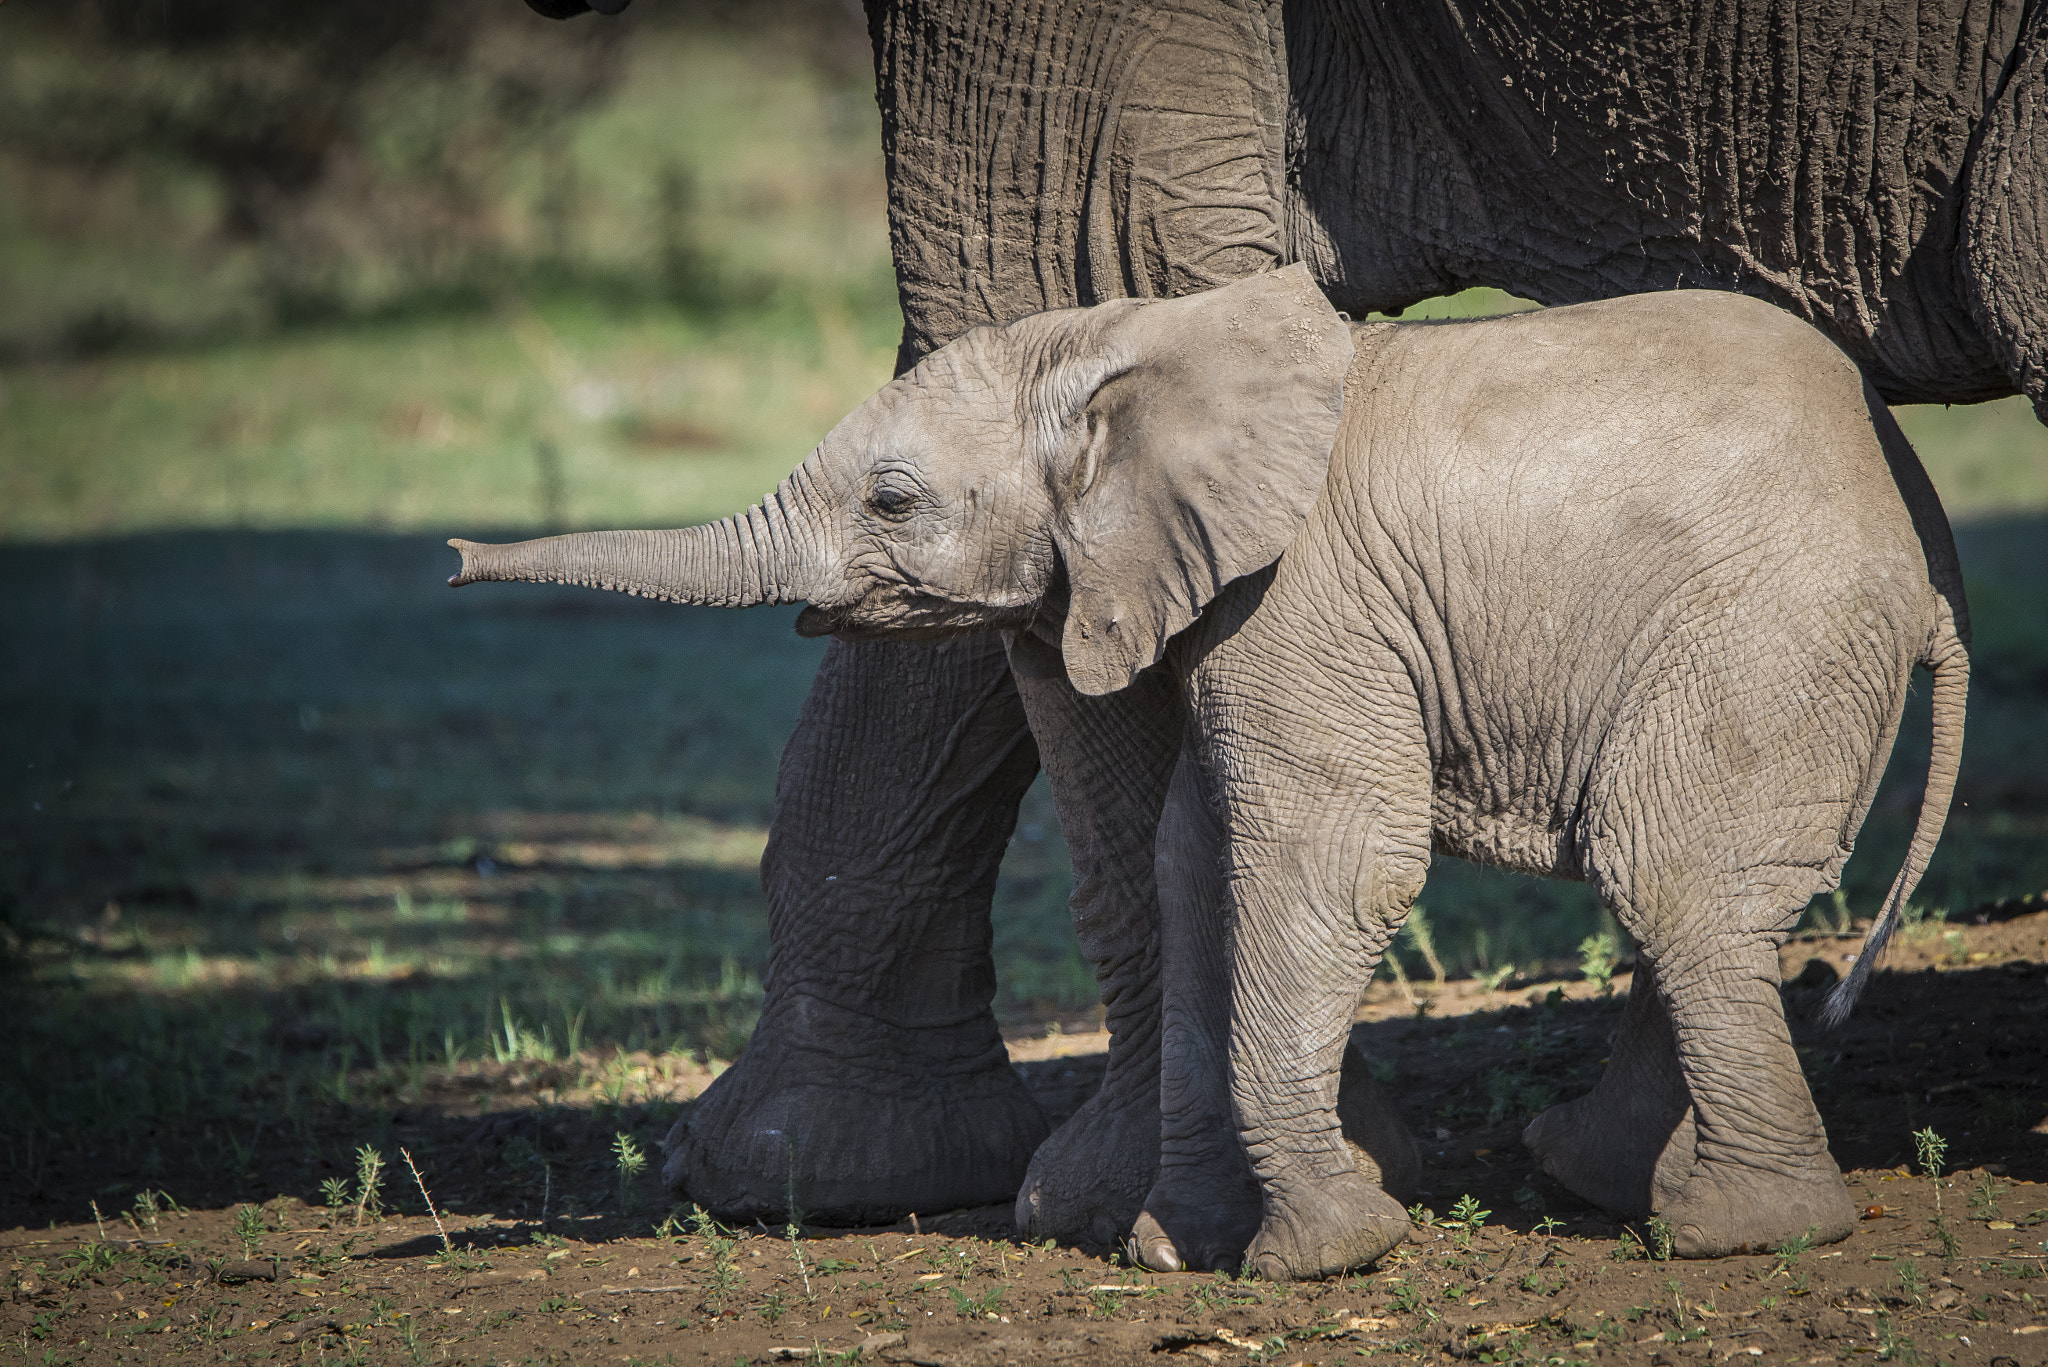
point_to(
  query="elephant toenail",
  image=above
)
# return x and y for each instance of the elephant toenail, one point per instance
(1162, 1256)
(1269, 1267)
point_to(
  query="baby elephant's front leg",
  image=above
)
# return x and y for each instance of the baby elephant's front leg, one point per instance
(1327, 847)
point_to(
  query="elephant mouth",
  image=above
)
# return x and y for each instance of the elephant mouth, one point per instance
(909, 617)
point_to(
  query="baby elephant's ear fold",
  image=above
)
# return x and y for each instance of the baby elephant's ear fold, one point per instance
(1194, 461)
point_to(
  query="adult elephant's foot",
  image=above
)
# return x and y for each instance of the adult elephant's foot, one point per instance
(1724, 1210)
(1381, 1144)
(1086, 1183)
(1325, 1227)
(1628, 1143)
(1201, 1214)
(901, 1120)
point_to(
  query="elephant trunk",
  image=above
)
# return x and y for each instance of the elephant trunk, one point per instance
(767, 554)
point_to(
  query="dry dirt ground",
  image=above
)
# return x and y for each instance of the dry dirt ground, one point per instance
(1952, 1038)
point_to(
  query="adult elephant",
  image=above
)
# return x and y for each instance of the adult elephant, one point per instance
(1880, 170)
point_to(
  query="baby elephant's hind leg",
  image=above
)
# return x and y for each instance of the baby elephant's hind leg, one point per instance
(1610, 1145)
(1758, 1172)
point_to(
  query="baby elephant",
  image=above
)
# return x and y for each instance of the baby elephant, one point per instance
(1627, 592)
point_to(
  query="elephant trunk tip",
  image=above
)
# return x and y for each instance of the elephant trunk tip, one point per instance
(468, 574)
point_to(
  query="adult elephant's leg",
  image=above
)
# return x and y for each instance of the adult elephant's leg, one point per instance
(877, 1082)
(1611, 1144)
(2005, 218)
(1109, 759)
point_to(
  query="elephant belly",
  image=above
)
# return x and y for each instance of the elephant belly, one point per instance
(1469, 826)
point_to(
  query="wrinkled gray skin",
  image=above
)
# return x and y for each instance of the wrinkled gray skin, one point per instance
(1882, 173)
(1628, 592)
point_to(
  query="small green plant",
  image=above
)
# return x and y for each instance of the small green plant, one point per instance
(772, 1310)
(555, 1305)
(1907, 1273)
(793, 1228)
(719, 1243)
(629, 1160)
(1417, 929)
(1421, 1216)
(1102, 1303)
(148, 1206)
(334, 1194)
(1465, 1212)
(409, 1332)
(1933, 1152)
(1548, 1226)
(1660, 1240)
(1599, 956)
(369, 1184)
(1790, 1252)
(1628, 1248)
(979, 1307)
(1984, 1197)
(90, 1258)
(249, 1229)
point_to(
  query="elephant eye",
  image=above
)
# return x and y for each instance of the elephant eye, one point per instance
(891, 500)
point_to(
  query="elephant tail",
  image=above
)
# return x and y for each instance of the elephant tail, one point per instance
(1950, 661)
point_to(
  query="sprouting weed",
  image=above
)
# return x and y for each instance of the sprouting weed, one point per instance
(1984, 1197)
(1547, 1226)
(978, 1307)
(1908, 1274)
(1465, 1212)
(718, 1241)
(1789, 1252)
(1421, 1216)
(1627, 1248)
(630, 1161)
(1660, 1242)
(773, 1310)
(1599, 956)
(334, 1193)
(249, 1229)
(1933, 1151)
(369, 1184)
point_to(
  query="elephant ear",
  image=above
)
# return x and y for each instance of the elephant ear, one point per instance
(1195, 438)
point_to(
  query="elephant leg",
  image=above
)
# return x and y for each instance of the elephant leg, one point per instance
(2005, 218)
(1759, 1171)
(1205, 1207)
(877, 1082)
(1611, 1145)
(1109, 760)
(1326, 824)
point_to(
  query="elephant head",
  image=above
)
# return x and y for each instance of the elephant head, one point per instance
(1134, 457)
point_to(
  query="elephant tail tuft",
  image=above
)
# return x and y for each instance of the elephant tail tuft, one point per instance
(1950, 661)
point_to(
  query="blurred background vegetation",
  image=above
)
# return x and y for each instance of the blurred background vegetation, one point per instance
(288, 293)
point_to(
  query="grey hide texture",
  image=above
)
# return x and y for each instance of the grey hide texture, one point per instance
(1627, 592)
(1881, 170)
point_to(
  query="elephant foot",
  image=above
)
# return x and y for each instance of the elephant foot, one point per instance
(1612, 1156)
(1380, 1144)
(1200, 1214)
(1727, 1210)
(913, 1120)
(1336, 1224)
(1086, 1183)
(1626, 1145)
